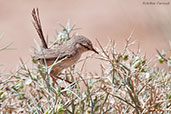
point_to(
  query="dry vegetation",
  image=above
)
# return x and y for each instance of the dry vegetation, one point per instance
(126, 83)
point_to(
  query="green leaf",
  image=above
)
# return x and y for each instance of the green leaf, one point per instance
(137, 64)
(156, 105)
(21, 96)
(169, 62)
(3, 96)
(125, 57)
(18, 86)
(168, 96)
(1, 92)
(60, 109)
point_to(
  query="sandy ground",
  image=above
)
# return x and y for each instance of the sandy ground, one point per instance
(99, 19)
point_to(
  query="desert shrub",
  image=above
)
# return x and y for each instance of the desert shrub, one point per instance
(126, 83)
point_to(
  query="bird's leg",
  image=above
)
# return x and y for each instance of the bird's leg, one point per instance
(63, 79)
(55, 75)
(52, 75)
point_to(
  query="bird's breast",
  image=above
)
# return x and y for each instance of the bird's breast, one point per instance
(66, 62)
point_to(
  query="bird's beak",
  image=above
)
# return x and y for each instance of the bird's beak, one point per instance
(95, 51)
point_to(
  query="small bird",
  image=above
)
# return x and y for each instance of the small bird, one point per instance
(66, 54)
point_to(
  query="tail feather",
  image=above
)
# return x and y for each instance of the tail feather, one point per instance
(38, 27)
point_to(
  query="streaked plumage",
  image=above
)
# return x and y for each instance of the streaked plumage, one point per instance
(70, 52)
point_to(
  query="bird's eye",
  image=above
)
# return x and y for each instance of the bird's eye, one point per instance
(87, 47)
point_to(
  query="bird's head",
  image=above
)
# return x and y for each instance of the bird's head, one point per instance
(84, 43)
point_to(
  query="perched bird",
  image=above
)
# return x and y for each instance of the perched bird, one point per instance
(66, 54)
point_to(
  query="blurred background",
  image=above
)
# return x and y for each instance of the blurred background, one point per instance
(99, 19)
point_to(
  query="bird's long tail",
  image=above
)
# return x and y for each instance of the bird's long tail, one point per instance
(38, 27)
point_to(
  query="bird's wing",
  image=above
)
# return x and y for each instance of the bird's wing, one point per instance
(53, 54)
(47, 54)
